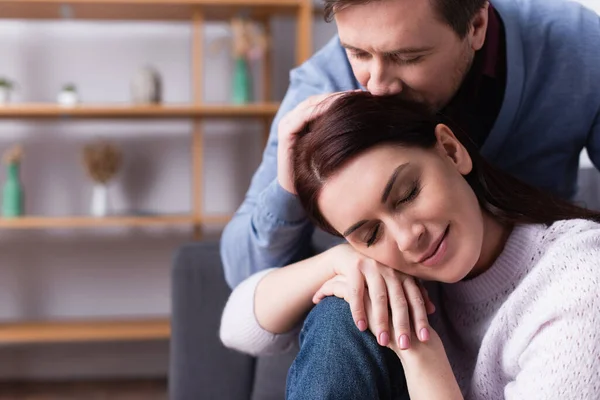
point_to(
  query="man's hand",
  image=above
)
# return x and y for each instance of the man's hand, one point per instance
(387, 291)
(292, 123)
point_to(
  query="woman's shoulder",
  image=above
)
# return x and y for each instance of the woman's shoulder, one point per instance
(568, 254)
(572, 232)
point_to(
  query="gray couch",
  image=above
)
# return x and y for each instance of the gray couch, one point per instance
(200, 367)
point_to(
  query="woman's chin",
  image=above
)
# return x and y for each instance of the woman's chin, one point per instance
(452, 274)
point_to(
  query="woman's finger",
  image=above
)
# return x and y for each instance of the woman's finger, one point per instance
(355, 297)
(380, 305)
(417, 309)
(400, 311)
(336, 286)
(429, 306)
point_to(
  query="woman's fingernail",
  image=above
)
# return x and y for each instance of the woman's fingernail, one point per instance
(404, 342)
(384, 338)
(362, 325)
(424, 333)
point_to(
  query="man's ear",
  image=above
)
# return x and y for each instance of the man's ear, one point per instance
(478, 28)
(450, 148)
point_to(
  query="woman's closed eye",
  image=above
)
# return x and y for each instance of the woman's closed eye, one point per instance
(414, 191)
(374, 233)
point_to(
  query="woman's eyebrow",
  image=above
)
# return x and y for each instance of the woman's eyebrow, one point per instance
(391, 181)
(354, 227)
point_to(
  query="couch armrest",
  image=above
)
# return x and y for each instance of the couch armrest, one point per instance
(200, 366)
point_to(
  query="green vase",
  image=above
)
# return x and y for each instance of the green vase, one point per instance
(241, 82)
(12, 193)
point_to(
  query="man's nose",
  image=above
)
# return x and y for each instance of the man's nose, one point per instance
(381, 80)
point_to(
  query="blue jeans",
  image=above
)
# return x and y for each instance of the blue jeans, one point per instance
(337, 361)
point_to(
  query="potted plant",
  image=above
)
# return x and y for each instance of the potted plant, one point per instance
(68, 95)
(6, 87)
(247, 44)
(102, 161)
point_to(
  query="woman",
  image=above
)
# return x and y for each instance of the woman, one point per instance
(514, 272)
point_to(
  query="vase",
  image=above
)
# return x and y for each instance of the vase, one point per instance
(99, 206)
(241, 82)
(146, 86)
(12, 193)
(4, 95)
(67, 98)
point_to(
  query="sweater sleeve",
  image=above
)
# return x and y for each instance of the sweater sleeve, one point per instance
(241, 331)
(562, 357)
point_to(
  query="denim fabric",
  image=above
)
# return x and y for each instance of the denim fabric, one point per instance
(338, 362)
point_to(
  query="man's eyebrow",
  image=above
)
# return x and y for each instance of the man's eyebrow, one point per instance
(391, 181)
(406, 50)
(386, 193)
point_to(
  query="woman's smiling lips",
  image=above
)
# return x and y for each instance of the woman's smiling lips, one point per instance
(436, 251)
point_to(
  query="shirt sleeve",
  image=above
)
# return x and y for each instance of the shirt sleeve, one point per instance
(240, 329)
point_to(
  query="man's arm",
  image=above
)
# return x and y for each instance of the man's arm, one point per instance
(593, 143)
(270, 229)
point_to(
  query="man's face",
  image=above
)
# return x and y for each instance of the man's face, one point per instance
(403, 46)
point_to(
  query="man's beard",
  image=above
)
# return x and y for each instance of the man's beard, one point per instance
(458, 76)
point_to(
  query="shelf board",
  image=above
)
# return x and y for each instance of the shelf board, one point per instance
(150, 10)
(41, 110)
(35, 222)
(84, 331)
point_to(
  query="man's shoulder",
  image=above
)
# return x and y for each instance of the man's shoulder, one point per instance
(562, 23)
(328, 69)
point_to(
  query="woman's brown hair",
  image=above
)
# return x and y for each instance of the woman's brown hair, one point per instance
(359, 121)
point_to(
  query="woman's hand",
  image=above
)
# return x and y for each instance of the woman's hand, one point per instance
(388, 292)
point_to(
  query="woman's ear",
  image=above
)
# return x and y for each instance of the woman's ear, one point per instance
(450, 148)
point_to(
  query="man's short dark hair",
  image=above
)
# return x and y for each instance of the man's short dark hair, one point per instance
(457, 13)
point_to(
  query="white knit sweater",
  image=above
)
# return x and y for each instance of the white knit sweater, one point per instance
(527, 329)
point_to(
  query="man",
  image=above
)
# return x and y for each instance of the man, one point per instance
(522, 77)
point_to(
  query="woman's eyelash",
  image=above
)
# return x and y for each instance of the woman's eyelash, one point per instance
(411, 196)
(373, 236)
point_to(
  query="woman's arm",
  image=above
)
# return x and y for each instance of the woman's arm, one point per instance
(284, 296)
(428, 372)
(263, 314)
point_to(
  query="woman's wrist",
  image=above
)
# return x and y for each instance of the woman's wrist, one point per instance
(428, 371)
(431, 350)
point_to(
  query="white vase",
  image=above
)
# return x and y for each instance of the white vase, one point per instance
(99, 200)
(146, 86)
(4, 95)
(67, 98)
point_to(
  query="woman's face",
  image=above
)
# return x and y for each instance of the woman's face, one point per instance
(410, 209)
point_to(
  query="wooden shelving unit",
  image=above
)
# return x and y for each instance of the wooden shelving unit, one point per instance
(92, 222)
(195, 12)
(116, 111)
(52, 332)
(149, 10)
